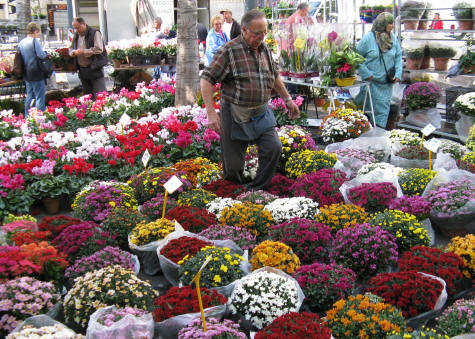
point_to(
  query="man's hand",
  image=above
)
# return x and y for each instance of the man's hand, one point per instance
(214, 121)
(77, 52)
(293, 109)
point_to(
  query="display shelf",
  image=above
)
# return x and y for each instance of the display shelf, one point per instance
(437, 132)
(438, 31)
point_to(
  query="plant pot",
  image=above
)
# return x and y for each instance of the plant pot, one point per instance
(466, 25)
(411, 24)
(319, 102)
(425, 62)
(422, 25)
(345, 81)
(284, 74)
(413, 63)
(441, 64)
(116, 63)
(51, 205)
(135, 60)
(170, 59)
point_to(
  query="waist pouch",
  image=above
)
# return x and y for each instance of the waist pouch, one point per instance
(250, 123)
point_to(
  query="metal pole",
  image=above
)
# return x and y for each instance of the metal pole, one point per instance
(102, 28)
(70, 13)
(250, 4)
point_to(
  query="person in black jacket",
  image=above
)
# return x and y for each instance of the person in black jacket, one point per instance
(90, 56)
(230, 26)
(202, 32)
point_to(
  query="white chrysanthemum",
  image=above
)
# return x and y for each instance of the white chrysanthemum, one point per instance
(284, 209)
(217, 205)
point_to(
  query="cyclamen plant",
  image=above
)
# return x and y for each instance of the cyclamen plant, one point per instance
(421, 95)
(459, 318)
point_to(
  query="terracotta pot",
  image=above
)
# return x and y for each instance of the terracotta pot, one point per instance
(117, 63)
(51, 205)
(469, 70)
(440, 64)
(413, 63)
(319, 102)
(411, 24)
(345, 81)
(422, 25)
(425, 62)
(466, 25)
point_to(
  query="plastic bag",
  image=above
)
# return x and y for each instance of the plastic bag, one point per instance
(136, 262)
(398, 93)
(375, 176)
(424, 117)
(39, 321)
(410, 163)
(128, 327)
(463, 125)
(426, 224)
(444, 162)
(170, 269)
(147, 255)
(169, 328)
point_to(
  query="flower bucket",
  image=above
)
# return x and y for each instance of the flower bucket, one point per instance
(345, 81)
(170, 59)
(440, 64)
(463, 125)
(413, 63)
(425, 62)
(411, 24)
(466, 25)
(51, 205)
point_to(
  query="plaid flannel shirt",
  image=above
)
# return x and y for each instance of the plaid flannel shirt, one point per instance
(247, 76)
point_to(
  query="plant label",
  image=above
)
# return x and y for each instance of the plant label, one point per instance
(124, 119)
(432, 145)
(178, 227)
(428, 130)
(172, 184)
(145, 158)
(299, 43)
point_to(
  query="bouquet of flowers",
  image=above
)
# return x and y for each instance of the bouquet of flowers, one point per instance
(364, 316)
(248, 215)
(405, 137)
(99, 198)
(450, 199)
(27, 237)
(344, 124)
(72, 238)
(279, 107)
(258, 197)
(24, 297)
(223, 269)
(199, 171)
(251, 162)
(217, 205)
(321, 186)
(191, 218)
(148, 184)
(293, 139)
(324, 284)
(120, 222)
(224, 188)
(309, 239)
(296, 325)
(367, 250)
(421, 95)
(412, 292)
(415, 205)
(53, 331)
(454, 149)
(111, 285)
(413, 181)
(446, 265)
(465, 104)
(145, 233)
(378, 165)
(224, 329)
(280, 186)
(152, 209)
(414, 153)
(423, 333)
(108, 256)
(196, 197)
(184, 300)
(464, 247)
(405, 227)
(57, 223)
(458, 318)
(244, 238)
(183, 248)
(340, 216)
(308, 161)
(372, 197)
(274, 254)
(263, 296)
(284, 209)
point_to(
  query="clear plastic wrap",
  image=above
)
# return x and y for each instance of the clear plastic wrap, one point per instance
(39, 321)
(423, 117)
(170, 269)
(397, 93)
(463, 125)
(427, 225)
(444, 162)
(410, 163)
(169, 328)
(375, 176)
(147, 255)
(128, 327)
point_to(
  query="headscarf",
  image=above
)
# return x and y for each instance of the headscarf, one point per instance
(384, 39)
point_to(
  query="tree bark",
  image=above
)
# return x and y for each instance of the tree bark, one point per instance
(187, 64)
(23, 15)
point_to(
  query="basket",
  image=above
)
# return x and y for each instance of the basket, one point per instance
(451, 94)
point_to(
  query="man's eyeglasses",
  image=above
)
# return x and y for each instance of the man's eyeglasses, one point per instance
(258, 33)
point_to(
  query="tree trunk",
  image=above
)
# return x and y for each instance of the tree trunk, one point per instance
(187, 70)
(23, 17)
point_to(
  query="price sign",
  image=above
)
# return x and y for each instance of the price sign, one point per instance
(173, 184)
(428, 130)
(432, 145)
(299, 43)
(145, 158)
(124, 119)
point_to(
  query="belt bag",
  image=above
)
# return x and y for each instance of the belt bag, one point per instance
(260, 120)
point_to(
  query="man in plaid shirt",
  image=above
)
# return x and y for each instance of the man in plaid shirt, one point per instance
(247, 73)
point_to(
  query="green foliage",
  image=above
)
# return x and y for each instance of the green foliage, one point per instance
(49, 186)
(442, 52)
(462, 10)
(415, 53)
(412, 10)
(117, 54)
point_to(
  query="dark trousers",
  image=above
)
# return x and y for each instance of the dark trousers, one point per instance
(233, 153)
(92, 86)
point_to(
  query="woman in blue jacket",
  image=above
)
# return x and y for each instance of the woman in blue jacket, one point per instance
(216, 37)
(30, 50)
(380, 48)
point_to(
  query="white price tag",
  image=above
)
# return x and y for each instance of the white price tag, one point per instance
(208, 259)
(432, 145)
(172, 184)
(178, 227)
(428, 130)
(145, 158)
(124, 120)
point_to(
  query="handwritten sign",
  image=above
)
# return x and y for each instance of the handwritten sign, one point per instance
(428, 130)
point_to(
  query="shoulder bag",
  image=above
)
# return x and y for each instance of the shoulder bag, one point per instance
(18, 65)
(44, 64)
